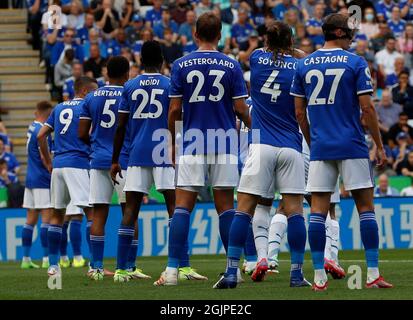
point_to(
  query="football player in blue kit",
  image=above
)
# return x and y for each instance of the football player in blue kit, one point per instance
(334, 86)
(70, 169)
(207, 92)
(275, 158)
(37, 191)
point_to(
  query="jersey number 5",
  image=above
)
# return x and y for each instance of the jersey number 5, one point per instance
(110, 113)
(314, 100)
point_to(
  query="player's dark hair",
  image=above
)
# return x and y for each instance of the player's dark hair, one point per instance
(336, 21)
(405, 71)
(118, 67)
(151, 54)
(279, 38)
(2, 161)
(390, 37)
(70, 54)
(43, 106)
(403, 114)
(208, 27)
(83, 82)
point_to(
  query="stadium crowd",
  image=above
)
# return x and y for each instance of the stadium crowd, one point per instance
(94, 30)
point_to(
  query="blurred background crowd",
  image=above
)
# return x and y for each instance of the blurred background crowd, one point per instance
(93, 30)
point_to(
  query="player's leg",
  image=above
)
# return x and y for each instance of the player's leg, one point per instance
(45, 214)
(64, 258)
(357, 178)
(322, 180)
(75, 235)
(27, 237)
(277, 230)
(250, 252)
(191, 172)
(54, 237)
(255, 182)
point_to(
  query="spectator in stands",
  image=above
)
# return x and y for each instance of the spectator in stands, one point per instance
(171, 50)
(146, 35)
(154, 15)
(11, 160)
(406, 7)
(76, 17)
(386, 57)
(116, 44)
(307, 46)
(63, 70)
(259, 10)
(393, 78)
(203, 6)
(179, 12)
(362, 49)
(68, 86)
(314, 24)
(241, 31)
(107, 18)
(120, 6)
(396, 24)
(93, 66)
(224, 43)
(369, 25)
(401, 126)
(94, 38)
(280, 9)
(165, 23)
(291, 18)
(9, 180)
(383, 189)
(403, 93)
(133, 31)
(134, 71)
(402, 148)
(68, 42)
(5, 138)
(82, 34)
(127, 13)
(406, 167)
(384, 8)
(66, 5)
(308, 8)
(333, 6)
(408, 191)
(379, 41)
(388, 111)
(405, 44)
(253, 43)
(36, 10)
(186, 29)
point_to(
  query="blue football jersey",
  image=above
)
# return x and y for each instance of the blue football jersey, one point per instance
(331, 80)
(207, 81)
(69, 88)
(101, 107)
(274, 111)
(146, 100)
(69, 150)
(37, 175)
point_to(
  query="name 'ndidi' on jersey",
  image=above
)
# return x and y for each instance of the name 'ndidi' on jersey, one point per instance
(331, 80)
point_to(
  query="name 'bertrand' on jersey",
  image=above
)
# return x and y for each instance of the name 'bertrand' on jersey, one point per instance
(107, 93)
(206, 61)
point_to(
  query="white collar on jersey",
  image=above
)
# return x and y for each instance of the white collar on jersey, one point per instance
(112, 86)
(332, 49)
(151, 74)
(206, 51)
(77, 98)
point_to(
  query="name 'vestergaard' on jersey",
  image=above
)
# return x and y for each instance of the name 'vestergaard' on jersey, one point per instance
(208, 61)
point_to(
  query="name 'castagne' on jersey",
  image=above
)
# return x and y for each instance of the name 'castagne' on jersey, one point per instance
(207, 82)
(331, 80)
(274, 112)
(145, 99)
(101, 107)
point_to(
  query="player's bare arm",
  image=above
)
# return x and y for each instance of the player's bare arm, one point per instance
(117, 146)
(174, 115)
(84, 129)
(369, 116)
(44, 132)
(301, 114)
(242, 111)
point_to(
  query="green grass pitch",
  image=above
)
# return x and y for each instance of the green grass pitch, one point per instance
(396, 266)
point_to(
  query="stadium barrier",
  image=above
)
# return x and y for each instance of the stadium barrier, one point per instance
(394, 216)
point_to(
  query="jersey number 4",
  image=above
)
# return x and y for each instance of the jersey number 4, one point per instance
(275, 90)
(314, 99)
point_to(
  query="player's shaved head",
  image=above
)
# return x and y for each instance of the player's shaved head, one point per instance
(118, 67)
(279, 38)
(84, 85)
(208, 27)
(151, 54)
